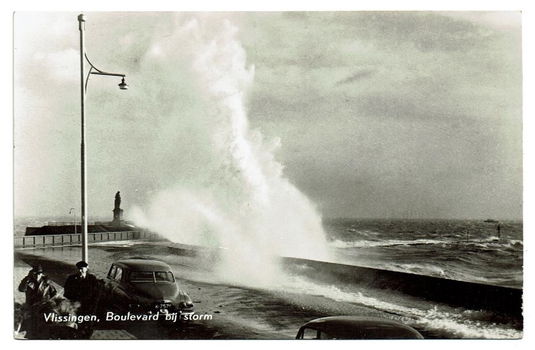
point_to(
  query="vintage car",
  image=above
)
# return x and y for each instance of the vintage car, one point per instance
(352, 327)
(140, 285)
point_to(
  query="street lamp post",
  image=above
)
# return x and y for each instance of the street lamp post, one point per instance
(83, 83)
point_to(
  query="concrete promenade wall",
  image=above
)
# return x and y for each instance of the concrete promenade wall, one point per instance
(503, 300)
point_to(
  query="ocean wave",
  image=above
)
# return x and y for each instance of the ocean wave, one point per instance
(363, 232)
(386, 243)
(496, 243)
(491, 242)
(421, 269)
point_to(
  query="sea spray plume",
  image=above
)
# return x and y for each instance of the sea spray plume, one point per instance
(227, 191)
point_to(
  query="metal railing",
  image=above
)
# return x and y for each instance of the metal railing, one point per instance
(76, 239)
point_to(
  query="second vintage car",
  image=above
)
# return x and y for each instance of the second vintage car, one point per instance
(354, 327)
(140, 285)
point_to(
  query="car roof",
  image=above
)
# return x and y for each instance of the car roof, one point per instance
(354, 327)
(143, 265)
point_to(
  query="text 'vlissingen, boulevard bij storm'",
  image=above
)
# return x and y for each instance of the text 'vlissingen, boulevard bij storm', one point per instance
(110, 316)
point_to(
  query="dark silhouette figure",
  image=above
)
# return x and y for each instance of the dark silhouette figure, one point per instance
(83, 287)
(117, 211)
(118, 200)
(38, 293)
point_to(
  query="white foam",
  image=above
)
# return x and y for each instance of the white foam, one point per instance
(228, 189)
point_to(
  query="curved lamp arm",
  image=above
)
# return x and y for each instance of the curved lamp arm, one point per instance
(122, 85)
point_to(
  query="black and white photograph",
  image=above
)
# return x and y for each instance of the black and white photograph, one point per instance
(281, 175)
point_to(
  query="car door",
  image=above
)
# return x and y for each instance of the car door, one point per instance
(118, 296)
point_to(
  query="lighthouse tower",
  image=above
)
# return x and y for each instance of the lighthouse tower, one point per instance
(117, 211)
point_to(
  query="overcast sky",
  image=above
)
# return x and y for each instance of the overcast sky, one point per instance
(370, 114)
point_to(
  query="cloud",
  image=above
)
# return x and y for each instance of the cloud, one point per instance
(353, 86)
(426, 31)
(363, 74)
(499, 20)
(432, 84)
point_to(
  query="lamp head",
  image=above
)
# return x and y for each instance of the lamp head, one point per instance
(123, 85)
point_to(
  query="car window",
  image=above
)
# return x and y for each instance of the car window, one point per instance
(164, 276)
(310, 333)
(112, 272)
(323, 335)
(141, 276)
(118, 274)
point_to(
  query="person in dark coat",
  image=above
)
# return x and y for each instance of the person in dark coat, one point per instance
(38, 292)
(37, 287)
(82, 287)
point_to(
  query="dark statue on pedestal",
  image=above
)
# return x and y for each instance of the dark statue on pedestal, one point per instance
(117, 211)
(118, 200)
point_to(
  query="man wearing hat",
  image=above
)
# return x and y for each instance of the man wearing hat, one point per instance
(38, 292)
(81, 287)
(36, 287)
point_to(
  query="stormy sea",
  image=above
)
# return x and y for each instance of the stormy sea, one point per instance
(479, 251)
(472, 251)
(465, 250)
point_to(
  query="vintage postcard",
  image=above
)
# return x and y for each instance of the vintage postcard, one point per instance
(268, 175)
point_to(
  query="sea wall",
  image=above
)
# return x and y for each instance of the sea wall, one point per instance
(474, 296)
(500, 300)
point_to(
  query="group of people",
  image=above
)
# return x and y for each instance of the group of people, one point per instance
(80, 289)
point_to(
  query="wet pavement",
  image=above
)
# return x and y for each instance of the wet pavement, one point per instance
(236, 312)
